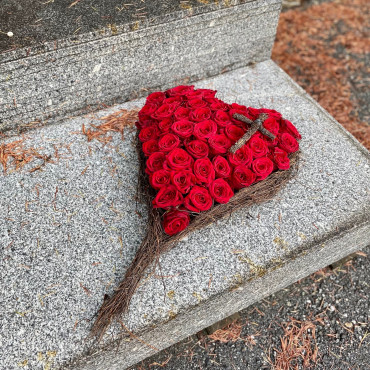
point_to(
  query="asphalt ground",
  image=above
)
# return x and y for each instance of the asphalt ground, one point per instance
(320, 322)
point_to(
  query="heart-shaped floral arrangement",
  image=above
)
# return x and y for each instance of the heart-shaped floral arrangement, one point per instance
(201, 150)
(205, 159)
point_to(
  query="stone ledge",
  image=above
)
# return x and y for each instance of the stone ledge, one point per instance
(70, 75)
(67, 236)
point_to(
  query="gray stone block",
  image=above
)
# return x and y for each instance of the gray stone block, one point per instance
(64, 77)
(70, 231)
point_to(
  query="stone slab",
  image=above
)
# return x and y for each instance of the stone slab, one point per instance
(62, 77)
(62, 228)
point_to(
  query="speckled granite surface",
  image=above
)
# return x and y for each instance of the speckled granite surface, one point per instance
(61, 232)
(129, 58)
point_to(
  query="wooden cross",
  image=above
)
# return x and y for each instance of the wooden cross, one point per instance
(256, 125)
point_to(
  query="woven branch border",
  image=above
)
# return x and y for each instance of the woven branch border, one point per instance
(157, 242)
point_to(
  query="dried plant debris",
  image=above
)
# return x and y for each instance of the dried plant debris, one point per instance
(115, 122)
(15, 155)
(325, 48)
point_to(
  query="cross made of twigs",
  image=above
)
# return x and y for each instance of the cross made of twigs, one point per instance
(256, 125)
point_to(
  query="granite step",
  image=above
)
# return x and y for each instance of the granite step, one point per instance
(63, 59)
(69, 230)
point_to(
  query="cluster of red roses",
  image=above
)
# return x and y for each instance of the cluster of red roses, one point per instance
(186, 135)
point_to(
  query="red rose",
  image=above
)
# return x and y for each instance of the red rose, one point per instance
(179, 159)
(174, 102)
(198, 199)
(281, 159)
(262, 167)
(148, 133)
(242, 177)
(221, 166)
(183, 128)
(234, 133)
(217, 104)
(205, 129)
(168, 196)
(242, 156)
(183, 180)
(156, 98)
(164, 111)
(203, 93)
(147, 110)
(179, 90)
(155, 162)
(175, 221)
(253, 113)
(197, 148)
(219, 144)
(159, 179)
(168, 142)
(145, 121)
(165, 125)
(258, 146)
(182, 113)
(222, 118)
(150, 147)
(271, 125)
(200, 114)
(197, 103)
(288, 143)
(221, 191)
(288, 127)
(204, 171)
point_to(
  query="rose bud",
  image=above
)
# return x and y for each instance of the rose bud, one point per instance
(165, 125)
(155, 162)
(197, 148)
(198, 199)
(262, 167)
(242, 177)
(281, 159)
(221, 167)
(219, 144)
(200, 114)
(271, 125)
(288, 143)
(180, 90)
(197, 103)
(205, 129)
(204, 171)
(175, 221)
(179, 159)
(183, 128)
(222, 118)
(164, 111)
(258, 146)
(148, 133)
(150, 147)
(168, 196)
(234, 133)
(183, 180)
(288, 127)
(242, 156)
(160, 178)
(156, 98)
(182, 113)
(168, 142)
(221, 191)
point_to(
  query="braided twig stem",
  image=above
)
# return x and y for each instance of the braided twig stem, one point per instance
(256, 125)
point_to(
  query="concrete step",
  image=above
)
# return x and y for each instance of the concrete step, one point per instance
(69, 231)
(52, 71)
